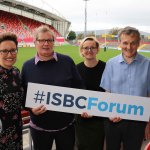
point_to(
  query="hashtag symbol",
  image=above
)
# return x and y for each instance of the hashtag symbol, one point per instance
(39, 96)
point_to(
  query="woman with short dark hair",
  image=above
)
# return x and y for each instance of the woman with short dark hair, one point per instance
(11, 94)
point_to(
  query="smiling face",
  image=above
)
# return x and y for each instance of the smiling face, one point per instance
(89, 49)
(7, 60)
(129, 45)
(44, 45)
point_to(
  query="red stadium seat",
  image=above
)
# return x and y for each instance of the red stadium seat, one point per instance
(147, 147)
(23, 27)
(25, 117)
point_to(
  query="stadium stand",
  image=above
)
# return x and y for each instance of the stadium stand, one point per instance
(147, 147)
(22, 26)
(145, 47)
(114, 44)
(22, 18)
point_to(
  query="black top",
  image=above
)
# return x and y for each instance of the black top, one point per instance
(11, 96)
(59, 73)
(91, 78)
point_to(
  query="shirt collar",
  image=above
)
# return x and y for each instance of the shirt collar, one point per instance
(137, 58)
(37, 58)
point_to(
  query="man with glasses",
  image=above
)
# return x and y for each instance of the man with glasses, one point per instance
(51, 68)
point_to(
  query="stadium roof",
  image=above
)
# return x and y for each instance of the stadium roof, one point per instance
(36, 10)
(53, 16)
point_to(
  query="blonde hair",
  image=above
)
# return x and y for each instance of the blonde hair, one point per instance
(89, 39)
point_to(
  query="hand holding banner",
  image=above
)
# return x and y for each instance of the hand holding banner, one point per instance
(94, 103)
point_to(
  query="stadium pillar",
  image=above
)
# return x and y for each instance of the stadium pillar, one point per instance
(85, 23)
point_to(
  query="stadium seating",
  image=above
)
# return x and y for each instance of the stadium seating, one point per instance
(23, 27)
(25, 117)
(147, 147)
(145, 47)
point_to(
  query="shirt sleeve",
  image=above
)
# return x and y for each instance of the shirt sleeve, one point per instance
(106, 78)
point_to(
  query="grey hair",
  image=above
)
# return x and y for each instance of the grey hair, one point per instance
(129, 31)
(43, 29)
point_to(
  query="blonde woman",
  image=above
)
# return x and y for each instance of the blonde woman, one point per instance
(90, 130)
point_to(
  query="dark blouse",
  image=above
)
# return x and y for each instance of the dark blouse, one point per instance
(11, 95)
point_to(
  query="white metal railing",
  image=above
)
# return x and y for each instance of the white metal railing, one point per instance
(27, 129)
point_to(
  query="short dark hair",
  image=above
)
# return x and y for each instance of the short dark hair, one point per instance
(8, 36)
(128, 31)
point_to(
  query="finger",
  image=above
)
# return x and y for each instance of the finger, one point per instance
(38, 108)
(112, 118)
(42, 109)
(84, 114)
(115, 119)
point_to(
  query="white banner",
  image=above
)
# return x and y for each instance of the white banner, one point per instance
(94, 103)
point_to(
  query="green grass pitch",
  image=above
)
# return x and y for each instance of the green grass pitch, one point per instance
(73, 51)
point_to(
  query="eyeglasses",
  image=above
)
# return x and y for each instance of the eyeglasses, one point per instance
(42, 41)
(12, 51)
(89, 48)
